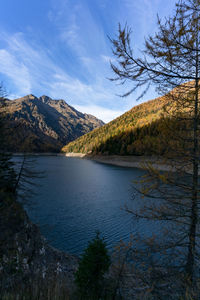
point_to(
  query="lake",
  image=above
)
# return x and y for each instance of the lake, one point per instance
(76, 197)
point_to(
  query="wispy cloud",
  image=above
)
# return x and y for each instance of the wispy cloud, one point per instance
(70, 35)
(100, 112)
(145, 15)
(79, 29)
(144, 12)
(106, 58)
(73, 63)
(31, 68)
(15, 70)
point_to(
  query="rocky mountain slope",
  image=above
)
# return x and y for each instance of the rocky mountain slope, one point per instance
(42, 124)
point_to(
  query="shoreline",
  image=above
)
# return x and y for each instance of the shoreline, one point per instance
(133, 161)
(138, 162)
(129, 161)
(38, 154)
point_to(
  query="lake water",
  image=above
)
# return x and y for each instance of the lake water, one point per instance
(76, 197)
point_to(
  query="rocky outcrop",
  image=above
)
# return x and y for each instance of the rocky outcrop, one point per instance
(27, 262)
(42, 124)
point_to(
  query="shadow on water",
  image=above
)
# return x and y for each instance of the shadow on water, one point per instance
(76, 197)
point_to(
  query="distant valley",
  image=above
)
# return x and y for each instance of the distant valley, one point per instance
(41, 124)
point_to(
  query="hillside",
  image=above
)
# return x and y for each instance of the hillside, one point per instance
(137, 132)
(43, 125)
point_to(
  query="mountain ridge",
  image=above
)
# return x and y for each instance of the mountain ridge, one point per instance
(42, 124)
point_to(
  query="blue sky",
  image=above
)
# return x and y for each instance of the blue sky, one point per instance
(60, 48)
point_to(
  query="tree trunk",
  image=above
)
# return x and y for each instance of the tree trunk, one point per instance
(194, 210)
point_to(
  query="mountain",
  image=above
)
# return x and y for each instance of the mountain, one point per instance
(137, 132)
(42, 124)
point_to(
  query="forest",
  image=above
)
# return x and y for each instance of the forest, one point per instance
(147, 129)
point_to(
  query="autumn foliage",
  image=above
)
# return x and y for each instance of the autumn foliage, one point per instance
(143, 130)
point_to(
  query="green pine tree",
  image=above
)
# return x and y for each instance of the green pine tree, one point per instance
(94, 263)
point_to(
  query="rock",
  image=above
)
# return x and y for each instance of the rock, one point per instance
(42, 124)
(26, 259)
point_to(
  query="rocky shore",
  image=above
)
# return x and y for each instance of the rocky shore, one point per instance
(128, 161)
(141, 162)
(27, 262)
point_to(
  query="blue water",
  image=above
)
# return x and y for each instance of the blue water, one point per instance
(76, 197)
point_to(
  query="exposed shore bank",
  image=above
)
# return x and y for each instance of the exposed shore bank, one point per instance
(39, 154)
(128, 161)
(131, 161)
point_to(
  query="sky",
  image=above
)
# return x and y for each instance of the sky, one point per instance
(60, 48)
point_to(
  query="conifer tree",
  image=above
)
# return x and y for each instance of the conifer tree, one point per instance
(92, 267)
(170, 61)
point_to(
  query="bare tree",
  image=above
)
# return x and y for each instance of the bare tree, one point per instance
(7, 173)
(18, 176)
(170, 62)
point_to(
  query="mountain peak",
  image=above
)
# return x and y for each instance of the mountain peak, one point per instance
(44, 124)
(44, 98)
(31, 96)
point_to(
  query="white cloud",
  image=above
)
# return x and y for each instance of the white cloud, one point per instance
(106, 58)
(15, 70)
(32, 70)
(79, 93)
(65, 86)
(144, 12)
(102, 113)
(70, 35)
(78, 28)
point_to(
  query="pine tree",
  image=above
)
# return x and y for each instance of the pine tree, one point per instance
(92, 267)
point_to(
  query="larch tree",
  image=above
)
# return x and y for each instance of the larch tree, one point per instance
(171, 62)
